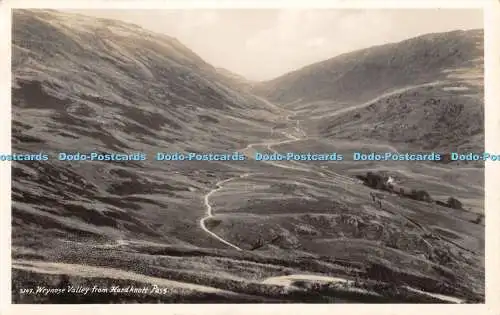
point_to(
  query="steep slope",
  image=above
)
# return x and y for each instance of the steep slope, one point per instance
(426, 91)
(443, 117)
(364, 74)
(91, 85)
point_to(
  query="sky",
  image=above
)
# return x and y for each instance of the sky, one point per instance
(261, 44)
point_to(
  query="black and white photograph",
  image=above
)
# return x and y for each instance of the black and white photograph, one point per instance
(268, 155)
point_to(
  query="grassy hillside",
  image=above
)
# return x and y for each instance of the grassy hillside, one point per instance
(364, 74)
(94, 85)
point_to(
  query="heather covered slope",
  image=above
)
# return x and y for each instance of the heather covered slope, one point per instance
(81, 84)
(445, 117)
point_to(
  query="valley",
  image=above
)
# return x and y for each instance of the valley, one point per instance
(241, 231)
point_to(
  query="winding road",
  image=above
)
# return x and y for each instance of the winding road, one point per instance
(337, 178)
(209, 213)
(220, 184)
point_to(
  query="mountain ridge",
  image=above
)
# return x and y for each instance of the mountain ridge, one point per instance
(124, 92)
(428, 70)
(347, 62)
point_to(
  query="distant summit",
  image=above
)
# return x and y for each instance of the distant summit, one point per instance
(236, 79)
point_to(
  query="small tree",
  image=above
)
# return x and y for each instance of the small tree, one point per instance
(374, 180)
(423, 195)
(479, 219)
(454, 203)
(258, 244)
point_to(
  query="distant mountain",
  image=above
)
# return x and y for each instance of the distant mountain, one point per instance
(236, 79)
(363, 74)
(96, 85)
(426, 91)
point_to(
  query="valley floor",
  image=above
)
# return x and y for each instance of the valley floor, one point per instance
(285, 231)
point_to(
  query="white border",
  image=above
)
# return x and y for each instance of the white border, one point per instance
(492, 128)
(234, 4)
(492, 144)
(5, 146)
